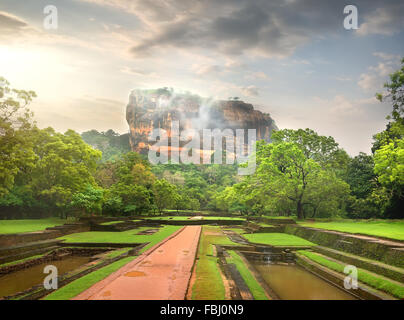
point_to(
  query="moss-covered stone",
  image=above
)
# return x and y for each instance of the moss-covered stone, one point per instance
(349, 243)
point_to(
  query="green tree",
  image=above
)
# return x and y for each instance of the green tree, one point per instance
(395, 93)
(324, 150)
(65, 165)
(388, 150)
(288, 177)
(133, 198)
(15, 125)
(360, 175)
(89, 201)
(287, 173)
(164, 194)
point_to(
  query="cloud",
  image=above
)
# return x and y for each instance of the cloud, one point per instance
(100, 114)
(250, 91)
(12, 26)
(343, 79)
(138, 72)
(11, 23)
(206, 69)
(386, 56)
(385, 20)
(340, 106)
(373, 79)
(270, 29)
(259, 75)
(209, 69)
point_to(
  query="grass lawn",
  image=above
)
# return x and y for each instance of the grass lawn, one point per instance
(257, 291)
(169, 218)
(29, 225)
(236, 230)
(370, 279)
(277, 239)
(208, 283)
(378, 228)
(225, 218)
(128, 236)
(110, 223)
(266, 225)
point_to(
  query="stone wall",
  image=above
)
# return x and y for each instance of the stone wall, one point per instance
(373, 249)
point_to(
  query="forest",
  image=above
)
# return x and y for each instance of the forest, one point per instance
(45, 173)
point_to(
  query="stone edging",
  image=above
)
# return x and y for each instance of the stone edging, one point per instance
(188, 293)
(363, 291)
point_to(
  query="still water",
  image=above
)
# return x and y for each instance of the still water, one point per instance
(24, 279)
(291, 282)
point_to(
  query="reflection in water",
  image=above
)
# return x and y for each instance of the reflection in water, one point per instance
(21, 280)
(291, 282)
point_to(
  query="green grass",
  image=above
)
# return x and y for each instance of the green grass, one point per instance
(28, 225)
(128, 236)
(257, 291)
(279, 217)
(277, 239)
(76, 287)
(118, 252)
(224, 218)
(12, 263)
(109, 223)
(370, 279)
(378, 228)
(208, 283)
(236, 230)
(265, 225)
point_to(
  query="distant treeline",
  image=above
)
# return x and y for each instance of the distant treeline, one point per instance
(110, 143)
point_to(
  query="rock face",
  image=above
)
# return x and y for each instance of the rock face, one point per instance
(153, 109)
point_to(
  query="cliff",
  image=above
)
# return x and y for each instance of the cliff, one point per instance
(150, 109)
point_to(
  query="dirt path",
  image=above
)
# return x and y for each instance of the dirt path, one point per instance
(161, 273)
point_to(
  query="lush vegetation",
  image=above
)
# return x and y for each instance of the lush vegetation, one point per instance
(208, 283)
(110, 143)
(44, 173)
(379, 228)
(277, 239)
(301, 173)
(377, 282)
(257, 291)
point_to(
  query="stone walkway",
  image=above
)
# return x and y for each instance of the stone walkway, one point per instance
(161, 273)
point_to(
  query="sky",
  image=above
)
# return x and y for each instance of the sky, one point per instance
(291, 58)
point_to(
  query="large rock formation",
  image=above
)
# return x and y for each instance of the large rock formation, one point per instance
(151, 109)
